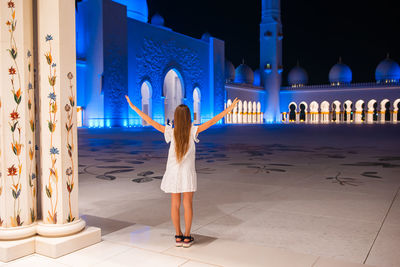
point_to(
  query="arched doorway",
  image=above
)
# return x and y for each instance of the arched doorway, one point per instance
(292, 112)
(375, 113)
(196, 105)
(314, 112)
(347, 111)
(325, 111)
(360, 111)
(336, 111)
(302, 112)
(385, 110)
(372, 112)
(146, 92)
(229, 115)
(240, 111)
(173, 93)
(244, 112)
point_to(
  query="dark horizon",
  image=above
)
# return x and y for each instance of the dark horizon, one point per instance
(314, 33)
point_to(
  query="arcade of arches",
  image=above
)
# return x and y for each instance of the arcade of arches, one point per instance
(173, 92)
(358, 112)
(245, 112)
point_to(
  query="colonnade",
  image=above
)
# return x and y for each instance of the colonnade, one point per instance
(361, 111)
(245, 112)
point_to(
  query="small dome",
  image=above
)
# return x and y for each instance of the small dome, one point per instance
(136, 9)
(257, 78)
(340, 73)
(244, 74)
(229, 71)
(297, 76)
(157, 20)
(387, 71)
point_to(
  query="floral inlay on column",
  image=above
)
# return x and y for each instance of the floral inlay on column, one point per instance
(31, 142)
(15, 126)
(52, 122)
(69, 108)
(1, 165)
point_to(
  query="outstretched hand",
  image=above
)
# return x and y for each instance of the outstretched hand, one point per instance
(145, 117)
(130, 103)
(234, 103)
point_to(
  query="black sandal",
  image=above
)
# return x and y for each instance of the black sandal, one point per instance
(180, 242)
(187, 244)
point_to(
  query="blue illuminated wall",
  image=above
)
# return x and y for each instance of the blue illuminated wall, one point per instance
(116, 54)
(115, 73)
(89, 49)
(153, 51)
(217, 50)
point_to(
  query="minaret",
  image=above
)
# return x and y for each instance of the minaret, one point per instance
(271, 57)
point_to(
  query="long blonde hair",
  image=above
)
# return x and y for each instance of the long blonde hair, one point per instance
(182, 124)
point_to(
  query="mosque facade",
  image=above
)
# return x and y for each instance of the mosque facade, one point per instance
(120, 51)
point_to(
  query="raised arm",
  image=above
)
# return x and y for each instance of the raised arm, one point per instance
(145, 117)
(214, 120)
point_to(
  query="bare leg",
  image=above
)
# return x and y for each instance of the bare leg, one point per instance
(188, 206)
(175, 205)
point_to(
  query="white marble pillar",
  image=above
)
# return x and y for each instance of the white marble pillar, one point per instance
(240, 112)
(58, 133)
(17, 129)
(259, 120)
(245, 111)
(235, 115)
(370, 116)
(254, 112)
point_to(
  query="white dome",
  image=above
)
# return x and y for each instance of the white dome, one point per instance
(340, 73)
(244, 74)
(157, 19)
(297, 75)
(229, 71)
(136, 9)
(387, 70)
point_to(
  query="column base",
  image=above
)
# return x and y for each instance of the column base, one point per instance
(14, 249)
(55, 247)
(59, 230)
(14, 233)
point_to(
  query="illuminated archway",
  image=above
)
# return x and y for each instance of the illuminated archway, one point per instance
(360, 111)
(254, 112)
(229, 115)
(245, 112)
(347, 111)
(385, 110)
(146, 92)
(314, 112)
(372, 111)
(336, 111)
(173, 92)
(325, 111)
(196, 105)
(292, 111)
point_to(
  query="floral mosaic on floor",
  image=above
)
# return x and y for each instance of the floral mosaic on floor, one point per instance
(128, 157)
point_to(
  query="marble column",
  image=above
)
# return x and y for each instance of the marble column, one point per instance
(58, 132)
(17, 129)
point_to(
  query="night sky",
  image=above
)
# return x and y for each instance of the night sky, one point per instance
(315, 32)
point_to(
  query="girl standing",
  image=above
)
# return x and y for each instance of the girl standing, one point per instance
(180, 175)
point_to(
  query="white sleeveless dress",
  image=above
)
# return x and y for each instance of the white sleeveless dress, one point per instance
(180, 177)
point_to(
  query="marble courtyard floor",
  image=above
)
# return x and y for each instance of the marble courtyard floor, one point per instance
(268, 195)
